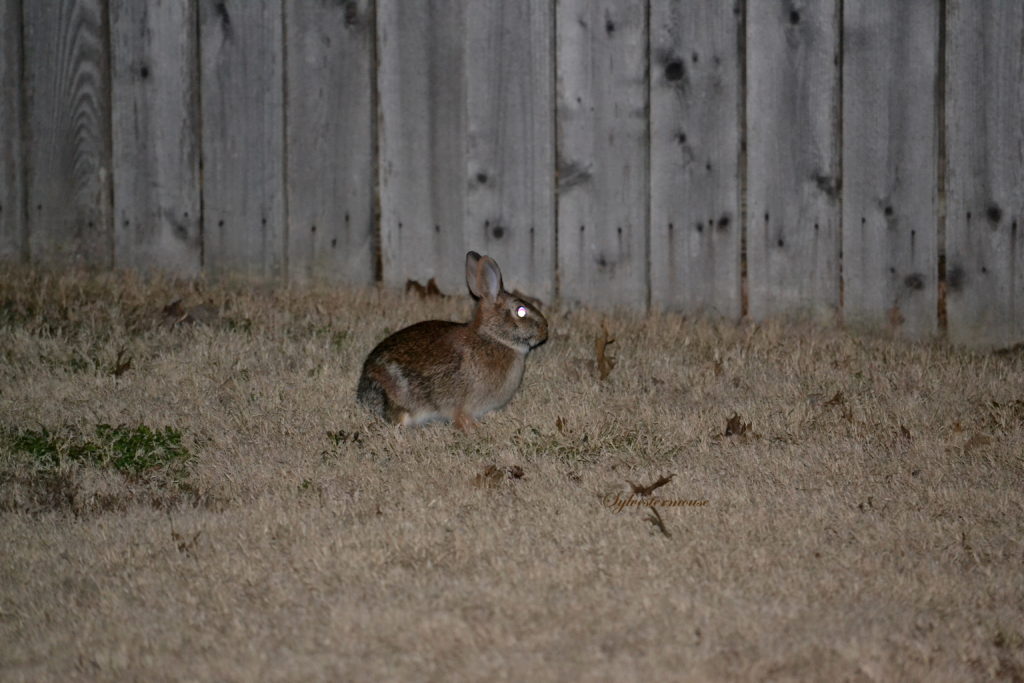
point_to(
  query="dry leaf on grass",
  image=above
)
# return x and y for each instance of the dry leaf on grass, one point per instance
(122, 364)
(650, 488)
(605, 363)
(184, 544)
(175, 313)
(492, 475)
(837, 400)
(976, 441)
(430, 290)
(655, 518)
(735, 426)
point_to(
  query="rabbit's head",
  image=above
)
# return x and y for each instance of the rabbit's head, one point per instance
(499, 315)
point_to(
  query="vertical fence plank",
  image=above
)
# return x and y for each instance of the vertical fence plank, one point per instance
(155, 136)
(421, 83)
(68, 121)
(695, 151)
(329, 140)
(890, 165)
(985, 215)
(793, 158)
(12, 207)
(602, 152)
(510, 140)
(242, 93)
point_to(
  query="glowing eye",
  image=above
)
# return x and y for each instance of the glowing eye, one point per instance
(521, 311)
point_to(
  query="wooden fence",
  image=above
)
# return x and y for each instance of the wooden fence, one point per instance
(859, 157)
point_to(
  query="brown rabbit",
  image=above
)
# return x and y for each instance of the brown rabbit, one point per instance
(455, 371)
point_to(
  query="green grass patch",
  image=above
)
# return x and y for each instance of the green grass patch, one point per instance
(129, 450)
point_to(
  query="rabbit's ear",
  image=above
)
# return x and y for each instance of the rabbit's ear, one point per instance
(472, 261)
(489, 278)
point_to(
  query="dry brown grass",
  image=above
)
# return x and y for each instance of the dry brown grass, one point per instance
(864, 518)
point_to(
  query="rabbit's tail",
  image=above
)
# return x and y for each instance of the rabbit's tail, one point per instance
(375, 398)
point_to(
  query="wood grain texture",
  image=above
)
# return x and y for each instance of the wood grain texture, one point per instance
(793, 158)
(890, 165)
(985, 210)
(242, 94)
(602, 152)
(155, 136)
(13, 238)
(695, 152)
(68, 124)
(329, 138)
(510, 200)
(422, 90)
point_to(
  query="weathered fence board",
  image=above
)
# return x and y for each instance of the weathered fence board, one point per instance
(695, 151)
(890, 165)
(13, 239)
(421, 82)
(242, 94)
(510, 199)
(155, 136)
(703, 156)
(602, 152)
(793, 158)
(985, 214)
(329, 140)
(67, 109)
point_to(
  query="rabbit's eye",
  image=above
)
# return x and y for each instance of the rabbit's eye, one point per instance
(521, 311)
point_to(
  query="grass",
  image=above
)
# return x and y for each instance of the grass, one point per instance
(129, 450)
(864, 509)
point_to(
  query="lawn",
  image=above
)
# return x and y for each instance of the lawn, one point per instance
(188, 490)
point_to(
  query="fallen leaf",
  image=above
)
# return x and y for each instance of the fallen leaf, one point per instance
(655, 518)
(175, 314)
(605, 363)
(341, 436)
(836, 400)
(121, 364)
(650, 488)
(839, 401)
(977, 440)
(184, 544)
(735, 426)
(430, 290)
(492, 475)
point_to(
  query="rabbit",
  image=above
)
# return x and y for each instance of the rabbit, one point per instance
(440, 370)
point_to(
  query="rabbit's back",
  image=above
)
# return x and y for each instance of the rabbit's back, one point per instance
(435, 370)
